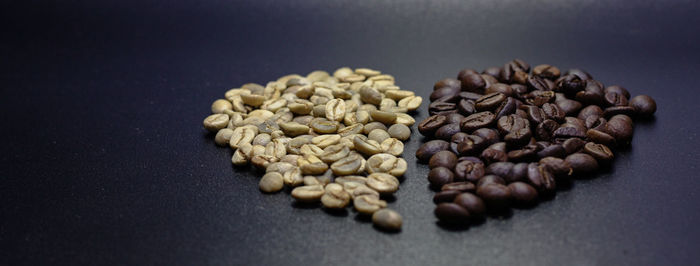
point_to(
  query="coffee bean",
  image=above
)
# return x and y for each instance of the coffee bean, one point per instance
(566, 131)
(459, 186)
(555, 150)
(580, 73)
(489, 102)
(382, 183)
(451, 213)
(620, 128)
(448, 82)
(535, 82)
(490, 136)
(335, 197)
(428, 149)
(573, 145)
(271, 182)
(216, 122)
(477, 120)
(600, 152)
(431, 124)
(490, 179)
(511, 123)
(569, 107)
(570, 85)
(541, 178)
(615, 99)
(445, 196)
(491, 155)
(534, 114)
(386, 163)
(446, 132)
(387, 219)
(471, 145)
(617, 89)
(368, 204)
(524, 154)
(601, 137)
(643, 105)
(496, 196)
(473, 204)
(518, 138)
(546, 71)
(557, 166)
(492, 71)
(445, 159)
(308, 194)
(440, 176)
(522, 193)
(582, 163)
(468, 171)
(443, 92)
(472, 82)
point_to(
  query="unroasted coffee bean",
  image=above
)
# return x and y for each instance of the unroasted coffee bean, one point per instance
(216, 122)
(387, 219)
(451, 213)
(582, 163)
(382, 183)
(428, 149)
(399, 131)
(271, 182)
(386, 163)
(347, 166)
(643, 105)
(368, 204)
(308, 194)
(335, 197)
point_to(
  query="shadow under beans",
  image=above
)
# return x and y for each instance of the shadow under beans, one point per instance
(386, 231)
(388, 198)
(337, 212)
(305, 206)
(363, 218)
(454, 227)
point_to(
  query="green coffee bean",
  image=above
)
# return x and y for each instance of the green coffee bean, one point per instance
(271, 182)
(220, 105)
(372, 126)
(382, 116)
(366, 147)
(294, 129)
(335, 197)
(392, 146)
(370, 95)
(399, 131)
(387, 219)
(308, 194)
(334, 153)
(367, 204)
(215, 122)
(223, 136)
(378, 135)
(383, 183)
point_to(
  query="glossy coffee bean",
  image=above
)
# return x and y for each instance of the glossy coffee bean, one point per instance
(440, 176)
(472, 82)
(601, 137)
(459, 186)
(643, 105)
(428, 149)
(471, 145)
(496, 196)
(446, 132)
(523, 193)
(466, 107)
(490, 179)
(573, 145)
(471, 202)
(541, 178)
(442, 108)
(445, 196)
(489, 102)
(467, 170)
(582, 163)
(546, 71)
(490, 136)
(492, 71)
(443, 92)
(555, 150)
(617, 89)
(591, 110)
(477, 120)
(620, 128)
(431, 124)
(445, 159)
(557, 166)
(447, 83)
(600, 152)
(451, 213)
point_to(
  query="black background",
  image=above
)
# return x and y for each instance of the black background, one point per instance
(104, 160)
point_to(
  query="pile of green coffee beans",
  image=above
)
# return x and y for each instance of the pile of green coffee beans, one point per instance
(334, 139)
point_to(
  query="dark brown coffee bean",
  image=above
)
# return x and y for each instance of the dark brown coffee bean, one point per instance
(470, 158)
(573, 145)
(527, 153)
(643, 105)
(496, 196)
(557, 166)
(477, 120)
(471, 202)
(470, 95)
(471, 145)
(506, 107)
(451, 213)
(443, 92)
(621, 128)
(570, 85)
(489, 102)
(519, 90)
(506, 89)
(615, 99)
(510, 172)
(580, 73)
(600, 152)
(601, 137)
(597, 123)
(591, 110)
(537, 83)
(493, 155)
(459, 186)
(546, 71)
(511, 123)
(466, 107)
(617, 89)
(428, 149)
(445, 159)
(490, 136)
(541, 178)
(592, 93)
(523, 193)
(454, 118)
(466, 71)
(490, 179)
(569, 132)
(472, 82)
(582, 163)
(569, 107)
(492, 71)
(518, 138)
(431, 124)
(556, 150)
(619, 110)
(445, 196)
(539, 98)
(545, 130)
(442, 108)
(446, 132)
(552, 111)
(439, 176)
(447, 83)
(467, 170)
(534, 114)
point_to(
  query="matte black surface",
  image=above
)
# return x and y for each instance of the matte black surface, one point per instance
(103, 159)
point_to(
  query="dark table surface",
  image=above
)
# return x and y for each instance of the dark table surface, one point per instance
(104, 161)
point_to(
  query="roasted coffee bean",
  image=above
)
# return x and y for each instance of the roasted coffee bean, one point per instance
(524, 154)
(557, 166)
(387, 219)
(466, 107)
(569, 107)
(477, 120)
(445, 159)
(459, 186)
(643, 105)
(507, 107)
(573, 145)
(448, 82)
(506, 89)
(443, 92)
(454, 118)
(440, 176)
(445, 196)
(546, 71)
(541, 178)
(490, 136)
(428, 149)
(451, 213)
(569, 132)
(472, 82)
(601, 137)
(600, 152)
(496, 196)
(534, 114)
(468, 171)
(522, 193)
(446, 132)
(621, 128)
(474, 205)
(539, 98)
(492, 71)
(619, 110)
(617, 89)
(597, 123)
(471, 145)
(555, 150)
(470, 95)
(489, 102)
(535, 82)
(511, 123)
(552, 111)
(490, 179)
(592, 93)
(491, 155)
(518, 138)
(582, 163)
(580, 73)
(510, 172)
(570, 85)
(431, 124)
(545, 130)
(591, 110)
(615, 99)
(442, 108)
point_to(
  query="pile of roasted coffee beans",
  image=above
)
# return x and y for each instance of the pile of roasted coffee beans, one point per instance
(509, 136)
(334, 139)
